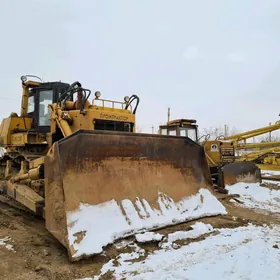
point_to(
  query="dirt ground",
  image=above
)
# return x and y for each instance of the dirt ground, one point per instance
(39, 256)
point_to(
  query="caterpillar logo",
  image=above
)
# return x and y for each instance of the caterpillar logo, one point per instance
(113, 117)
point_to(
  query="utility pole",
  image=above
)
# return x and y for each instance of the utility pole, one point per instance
(168, 115)
(225, 130)
(153, 129)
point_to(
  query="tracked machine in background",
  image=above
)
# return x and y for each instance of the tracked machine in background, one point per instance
(220, 155)
(81, 166)
(265, 155)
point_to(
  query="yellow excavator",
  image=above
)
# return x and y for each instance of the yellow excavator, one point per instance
(80, 165)
(266, 155)
(220, 155)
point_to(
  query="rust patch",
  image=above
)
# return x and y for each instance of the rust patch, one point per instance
(246, 172)
(93, 167)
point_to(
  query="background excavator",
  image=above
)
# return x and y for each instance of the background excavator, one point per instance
(224, 169)
(82, 167)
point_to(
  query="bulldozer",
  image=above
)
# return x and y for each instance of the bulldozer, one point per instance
(80, 165)
(223, 167)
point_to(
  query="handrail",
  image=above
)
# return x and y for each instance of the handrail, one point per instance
(123, 104)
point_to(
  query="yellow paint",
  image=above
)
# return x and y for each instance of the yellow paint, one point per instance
(179, 122)
(20, 139)
(36, 162)
(24, 101)
(269, 167)
(86, 121)
(212, 150)
(9, 126)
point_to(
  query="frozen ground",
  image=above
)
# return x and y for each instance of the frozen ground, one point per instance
(242, 244)
(2, 151)
(5, 243)
(271, 173)
(248, 252)
(257, 197)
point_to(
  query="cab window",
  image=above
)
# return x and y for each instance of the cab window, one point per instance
(172, 131)
(189, 132)
(30, 106)
(192, 134)
(46, 98)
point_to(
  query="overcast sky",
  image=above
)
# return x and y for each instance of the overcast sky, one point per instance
(215, 61)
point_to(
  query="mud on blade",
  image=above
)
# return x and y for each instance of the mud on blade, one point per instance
(101, 186)
(247, 172)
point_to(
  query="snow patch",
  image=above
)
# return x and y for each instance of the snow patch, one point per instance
(3, 242)
(100, 225)
(198, 229)
(233, 254)
(148, 236)
(2, 152)
(274, 183)
(255, 196)
(270, 172)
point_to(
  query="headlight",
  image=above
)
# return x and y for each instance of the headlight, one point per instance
(126, 98)
(23, 78)
(97, 94)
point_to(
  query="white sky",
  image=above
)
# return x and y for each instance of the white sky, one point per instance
(215, 61)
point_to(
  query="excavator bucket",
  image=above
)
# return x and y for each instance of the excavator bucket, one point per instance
(101, 186)
(247, 172)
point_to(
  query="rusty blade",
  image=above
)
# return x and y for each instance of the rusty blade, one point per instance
(247, 172)
(101, 186)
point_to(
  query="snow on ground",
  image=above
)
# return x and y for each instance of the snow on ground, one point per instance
(93, 226)
(2, 151)
(275, 183)
(254, 196)
(3, 242)
(197, 230)
(148, 236)
(250, 252)
(270, 173)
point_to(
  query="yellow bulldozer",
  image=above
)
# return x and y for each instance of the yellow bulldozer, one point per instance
(80, 165)
(224, 168)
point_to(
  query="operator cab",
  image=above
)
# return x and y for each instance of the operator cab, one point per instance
(39, 97)
(181, 127)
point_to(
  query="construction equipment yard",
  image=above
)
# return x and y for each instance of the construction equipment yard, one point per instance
(227, 246)
(84, 196)
(97, 182)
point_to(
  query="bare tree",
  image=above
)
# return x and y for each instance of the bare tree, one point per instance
(269, 138)
(212, 133)
(216, 132)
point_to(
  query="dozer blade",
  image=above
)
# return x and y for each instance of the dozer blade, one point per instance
(247, 172)
(102, 186)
